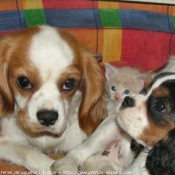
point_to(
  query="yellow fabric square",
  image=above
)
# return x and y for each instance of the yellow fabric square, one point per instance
(32, 4)
(112, 45)
(108, 5)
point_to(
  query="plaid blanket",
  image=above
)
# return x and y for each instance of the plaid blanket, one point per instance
(134, 34)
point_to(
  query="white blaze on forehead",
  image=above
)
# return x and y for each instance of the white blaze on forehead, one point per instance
(49, 51)
(159, 81)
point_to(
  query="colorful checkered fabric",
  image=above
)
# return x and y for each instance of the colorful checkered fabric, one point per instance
(135, 34)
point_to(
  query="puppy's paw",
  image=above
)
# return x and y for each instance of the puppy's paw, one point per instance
(64, 166)
(89, 166)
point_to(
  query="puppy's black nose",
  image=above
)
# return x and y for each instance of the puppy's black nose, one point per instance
(47, 117)
(128, 102)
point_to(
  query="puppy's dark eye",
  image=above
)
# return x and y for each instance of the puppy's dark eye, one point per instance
(24, 83)
(69, 84)
(160, 106)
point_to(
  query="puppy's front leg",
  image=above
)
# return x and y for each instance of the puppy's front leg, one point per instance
(106, 133)
(25, 156)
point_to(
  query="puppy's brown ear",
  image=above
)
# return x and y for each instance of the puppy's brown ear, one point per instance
(6, 98)
(92, 107)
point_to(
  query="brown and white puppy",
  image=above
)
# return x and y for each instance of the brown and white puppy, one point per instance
(147, 117)
(51, 91)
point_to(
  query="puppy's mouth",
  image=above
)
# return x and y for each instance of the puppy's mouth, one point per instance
(53, 130)
(49, 131)
(50, 134)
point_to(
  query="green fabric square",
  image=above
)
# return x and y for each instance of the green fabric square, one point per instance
(173, 21)
(34, 17)
(110, 18)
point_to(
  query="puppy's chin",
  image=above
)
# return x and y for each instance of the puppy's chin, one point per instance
(35, 128)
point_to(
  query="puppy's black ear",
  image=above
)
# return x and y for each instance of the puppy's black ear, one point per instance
(161, 158)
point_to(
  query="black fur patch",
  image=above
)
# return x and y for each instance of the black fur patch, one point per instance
(161, 158)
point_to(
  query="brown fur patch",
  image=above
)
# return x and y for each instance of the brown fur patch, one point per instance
(92, 108)
(148, 82)
(70, 72)
(160, 92)
(152, 134)
(13, 46)
(18, 67)
(30, 127)
(57, 156)
(0, 129)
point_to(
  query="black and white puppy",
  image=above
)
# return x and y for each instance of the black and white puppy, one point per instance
(150, 119)
(147, 117)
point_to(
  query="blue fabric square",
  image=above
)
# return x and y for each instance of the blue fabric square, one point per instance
(144, 20)
(9, 20)
(86, 18)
